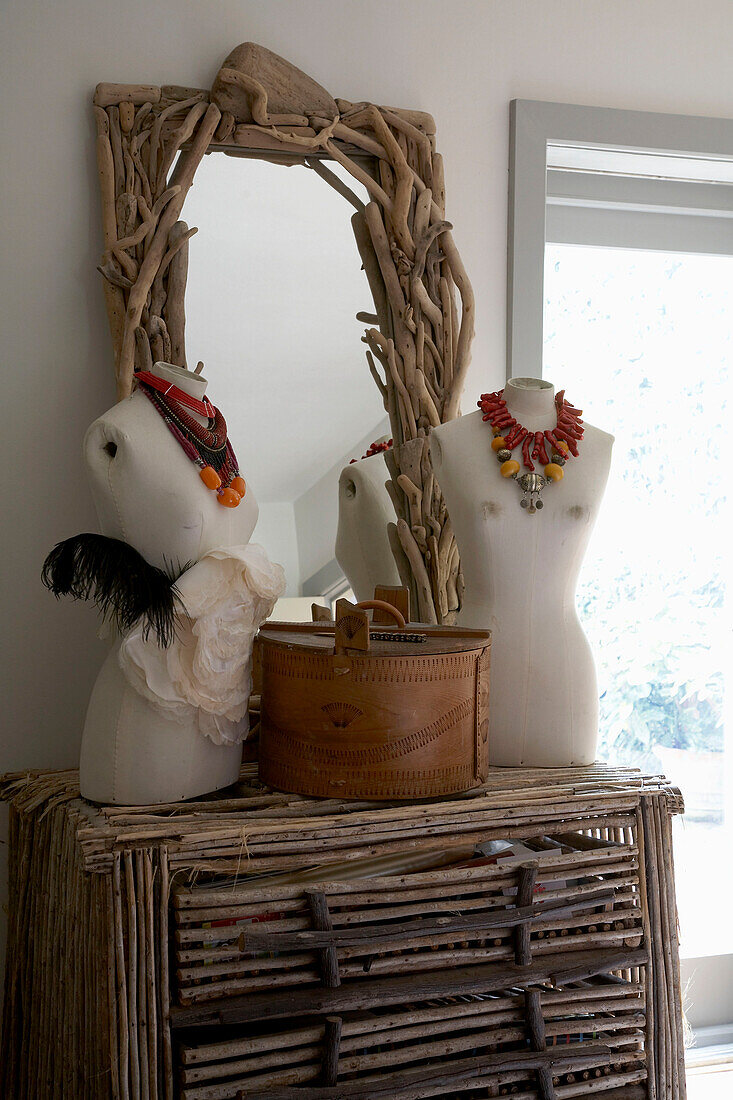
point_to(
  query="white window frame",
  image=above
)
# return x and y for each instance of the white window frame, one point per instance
(670, 214)
(630, 214)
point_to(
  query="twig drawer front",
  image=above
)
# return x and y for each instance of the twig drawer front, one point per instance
(235, 940)
(592, 1039)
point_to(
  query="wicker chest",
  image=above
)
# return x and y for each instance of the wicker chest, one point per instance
(245, 947)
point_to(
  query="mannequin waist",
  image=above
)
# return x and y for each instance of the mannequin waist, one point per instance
(518, 613)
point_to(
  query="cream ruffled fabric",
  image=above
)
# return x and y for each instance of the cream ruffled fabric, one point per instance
(205, 676)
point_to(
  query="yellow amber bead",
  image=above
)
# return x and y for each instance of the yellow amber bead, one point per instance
(509, 468)
(210, 477)
(228, 497)
(497, 442)
(554, 472)
(562, 446)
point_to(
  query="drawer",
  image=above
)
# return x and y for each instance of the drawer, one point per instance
(264, 942)
(447, 1046)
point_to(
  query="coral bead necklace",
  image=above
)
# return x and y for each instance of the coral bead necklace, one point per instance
(509, 434)
(206, 445)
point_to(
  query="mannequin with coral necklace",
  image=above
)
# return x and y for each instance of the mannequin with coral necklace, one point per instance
(520, 573)
(147, 494)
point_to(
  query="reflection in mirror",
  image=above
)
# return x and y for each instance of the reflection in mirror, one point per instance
(274, 286)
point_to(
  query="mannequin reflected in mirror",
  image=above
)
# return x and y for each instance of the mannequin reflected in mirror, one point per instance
(147, 492)
(362, 543)
(520, 573)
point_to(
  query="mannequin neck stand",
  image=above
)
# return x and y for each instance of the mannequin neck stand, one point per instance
(532, 402)
(192, 384)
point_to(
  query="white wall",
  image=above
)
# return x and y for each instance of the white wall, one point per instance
(460, 59)
(276, 532)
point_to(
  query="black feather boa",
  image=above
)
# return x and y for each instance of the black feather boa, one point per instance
(122, 584)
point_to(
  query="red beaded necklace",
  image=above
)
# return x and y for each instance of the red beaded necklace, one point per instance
(207, 446)
(168, 389)
(509, 433)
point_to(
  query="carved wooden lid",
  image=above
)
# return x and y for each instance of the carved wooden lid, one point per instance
(417, 639)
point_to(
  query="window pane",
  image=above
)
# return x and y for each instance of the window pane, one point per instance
(642, 342)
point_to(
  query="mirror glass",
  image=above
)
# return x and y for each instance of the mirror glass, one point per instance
(274, 285)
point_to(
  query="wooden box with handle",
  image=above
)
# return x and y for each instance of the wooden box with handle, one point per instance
(373, 710)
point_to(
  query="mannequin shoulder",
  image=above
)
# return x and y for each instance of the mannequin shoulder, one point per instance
(595, 455)
(597, 437)
(123, 421)
(459, 433)
(468, 424)
(366, 472)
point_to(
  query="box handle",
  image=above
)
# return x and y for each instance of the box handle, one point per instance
(382, 605)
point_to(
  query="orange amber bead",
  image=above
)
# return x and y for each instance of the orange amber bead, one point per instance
(498, 442)
(562, 446)
(239, 485)
(210, 477)
(509, 468)
(554, 472)
(230, 498)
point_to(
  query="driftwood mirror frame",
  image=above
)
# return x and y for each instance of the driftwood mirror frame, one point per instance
(420, 332)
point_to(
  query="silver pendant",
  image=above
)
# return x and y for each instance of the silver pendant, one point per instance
(531, 486)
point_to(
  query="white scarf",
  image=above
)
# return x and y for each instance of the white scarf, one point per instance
(205, 675)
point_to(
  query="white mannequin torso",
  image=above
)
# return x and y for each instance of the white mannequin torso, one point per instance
(520, 573)
(362, 543)
(147, 493)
